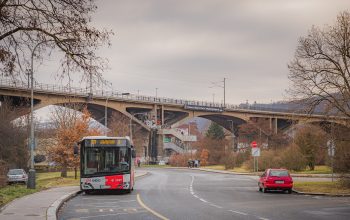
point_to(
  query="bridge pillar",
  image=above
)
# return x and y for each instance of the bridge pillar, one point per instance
(274, 125)
(162, 114)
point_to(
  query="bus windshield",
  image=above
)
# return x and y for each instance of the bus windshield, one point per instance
(105, 160)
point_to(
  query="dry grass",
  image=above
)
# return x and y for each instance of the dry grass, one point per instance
(43, 181)
(222, 167)
(322, 187)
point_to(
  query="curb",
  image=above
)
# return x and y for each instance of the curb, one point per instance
(254, 174)
(51, 212)
(320, 194)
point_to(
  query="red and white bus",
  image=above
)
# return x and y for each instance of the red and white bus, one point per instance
(106, 163)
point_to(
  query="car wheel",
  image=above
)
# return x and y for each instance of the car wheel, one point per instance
(264, 190)
(289, 191)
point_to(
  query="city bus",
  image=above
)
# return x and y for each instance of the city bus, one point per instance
(106, 163)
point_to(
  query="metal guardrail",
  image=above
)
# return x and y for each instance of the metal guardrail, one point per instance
(84, 92)
(40, 87)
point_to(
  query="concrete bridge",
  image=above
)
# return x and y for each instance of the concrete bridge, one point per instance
(152, 112)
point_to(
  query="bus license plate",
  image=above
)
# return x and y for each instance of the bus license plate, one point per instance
(279, 181)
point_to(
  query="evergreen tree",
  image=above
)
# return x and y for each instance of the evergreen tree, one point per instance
(215, 132)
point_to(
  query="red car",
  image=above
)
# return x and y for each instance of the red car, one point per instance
(276, 179)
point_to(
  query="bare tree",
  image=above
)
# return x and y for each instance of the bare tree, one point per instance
(320, 70)
(49, 24)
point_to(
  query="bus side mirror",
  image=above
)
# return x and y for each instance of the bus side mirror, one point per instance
(133, 153)
(76, 150)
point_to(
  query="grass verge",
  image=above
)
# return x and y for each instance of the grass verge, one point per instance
(317, 170)
(333, 188)
(222, 167)
(43, 181)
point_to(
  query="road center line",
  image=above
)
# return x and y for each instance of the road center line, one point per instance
(237, 212)
(203, 200)
(149, 209)
(216, 206)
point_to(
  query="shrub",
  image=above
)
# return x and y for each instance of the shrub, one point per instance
(179, 160)
(268, 159)
(229, 160)
(204, 157)
(292, 158)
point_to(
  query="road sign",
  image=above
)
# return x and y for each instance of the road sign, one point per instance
(331, 148)
(256, 152)
(254, 144)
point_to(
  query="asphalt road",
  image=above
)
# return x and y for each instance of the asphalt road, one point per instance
(190, 194)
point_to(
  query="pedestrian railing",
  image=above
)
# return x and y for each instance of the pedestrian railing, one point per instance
(103, 94)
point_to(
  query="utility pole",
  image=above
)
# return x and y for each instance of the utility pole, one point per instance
(221, 84)
(224, 92)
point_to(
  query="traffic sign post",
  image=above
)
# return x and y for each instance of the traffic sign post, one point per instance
(331, 152)
(256, 155)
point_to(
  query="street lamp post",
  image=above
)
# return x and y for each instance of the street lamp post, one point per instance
(31, 176)
(106, 111)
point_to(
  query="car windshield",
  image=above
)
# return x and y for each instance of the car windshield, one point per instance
(15, 172)
(279, 173)
(105, 160)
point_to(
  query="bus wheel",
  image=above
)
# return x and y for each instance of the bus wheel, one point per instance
(87, 192)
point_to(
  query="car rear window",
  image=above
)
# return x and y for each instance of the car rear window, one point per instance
(279, 173)
(15, 172)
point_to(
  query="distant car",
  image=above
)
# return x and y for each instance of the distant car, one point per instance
(161, 162)
(276, 179)
(17, 176)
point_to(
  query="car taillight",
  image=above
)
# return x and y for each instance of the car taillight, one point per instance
(269, 180)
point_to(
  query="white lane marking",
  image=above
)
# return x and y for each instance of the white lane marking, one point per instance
(263, 218)
(196, 196)
(100, 210)
(111, 210)
(203, 200)
(216, 206)
(237, 212)
(99, 216)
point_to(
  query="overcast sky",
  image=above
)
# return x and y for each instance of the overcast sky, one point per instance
(181, 47)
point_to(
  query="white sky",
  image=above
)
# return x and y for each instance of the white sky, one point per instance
(180, 47)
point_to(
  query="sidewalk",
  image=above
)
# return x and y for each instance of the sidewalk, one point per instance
(38, 206)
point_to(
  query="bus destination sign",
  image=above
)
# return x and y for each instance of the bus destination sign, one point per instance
(105, 142)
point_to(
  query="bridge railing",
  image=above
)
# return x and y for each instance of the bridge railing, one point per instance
(68, 90)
